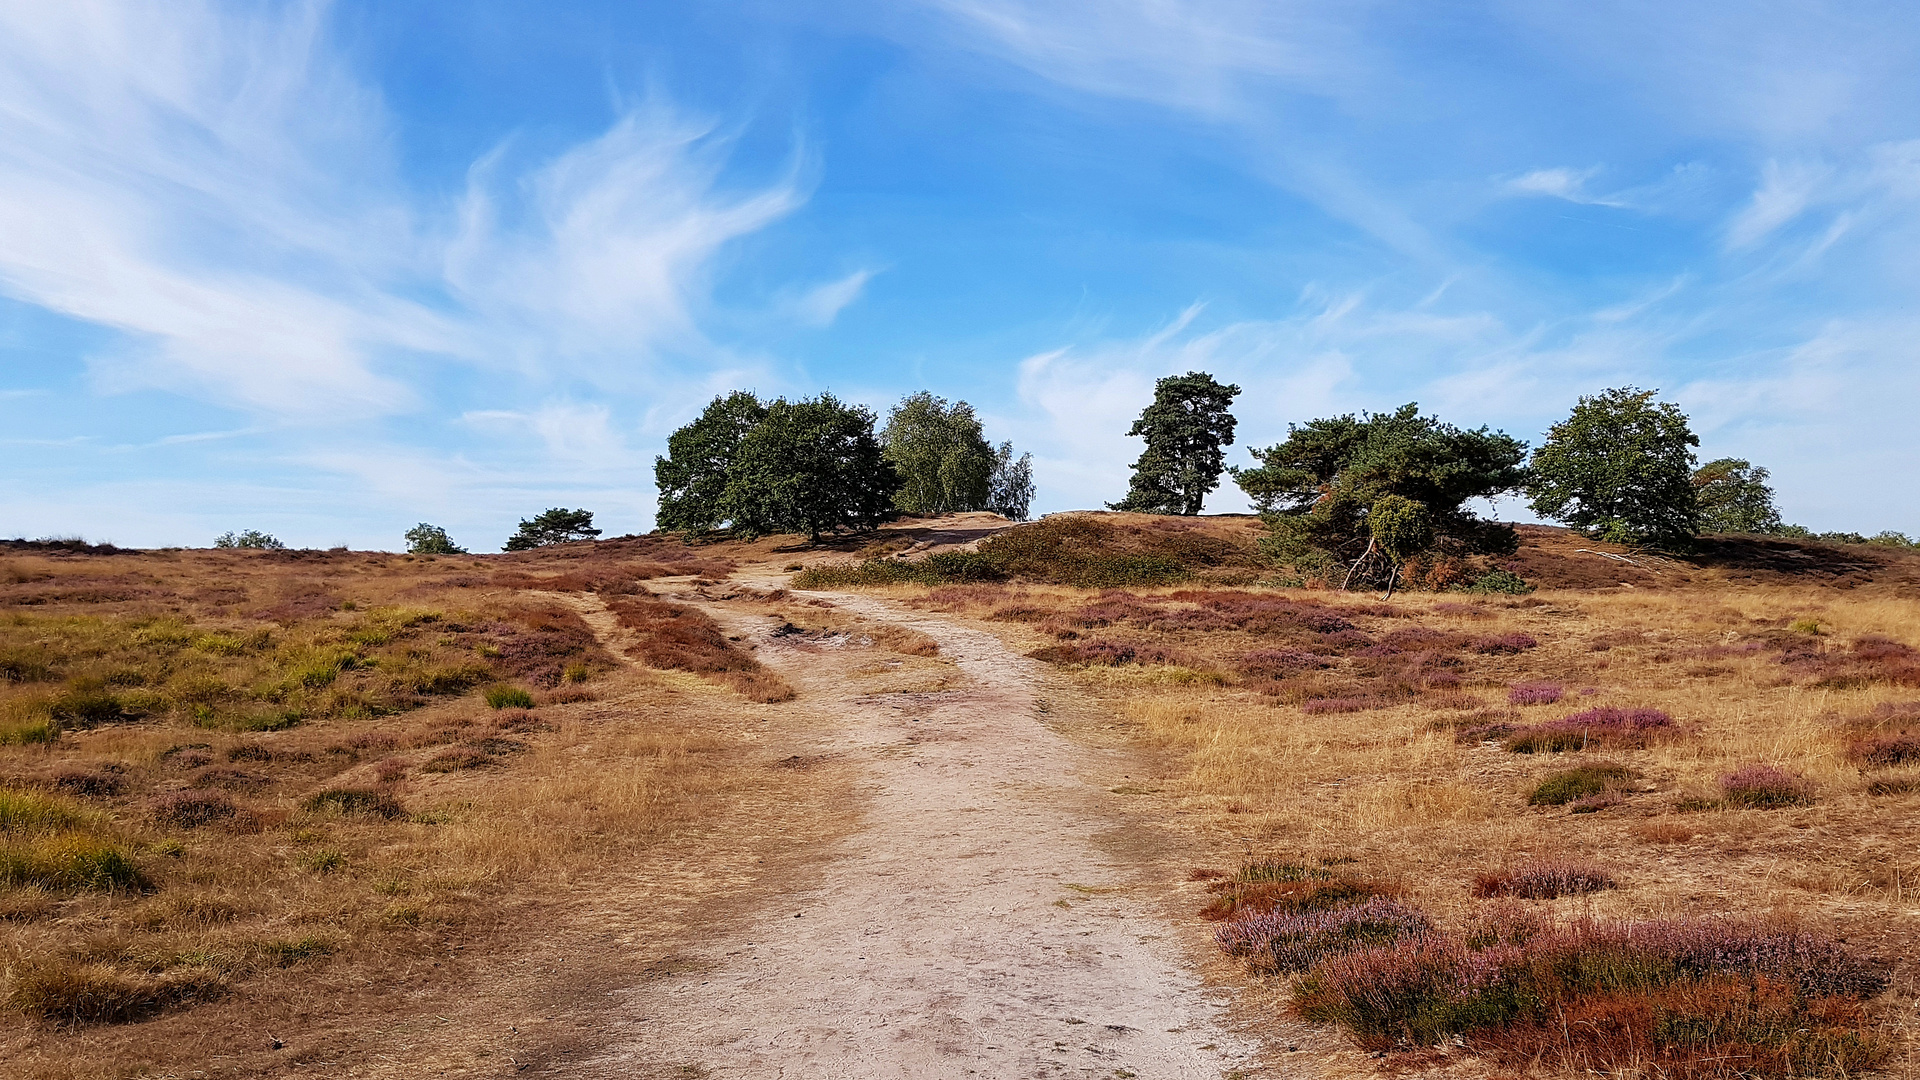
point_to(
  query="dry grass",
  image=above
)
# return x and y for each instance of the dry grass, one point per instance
(234, 813)
(1312, 738)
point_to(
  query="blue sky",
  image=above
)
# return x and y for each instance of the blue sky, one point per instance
(328, 270)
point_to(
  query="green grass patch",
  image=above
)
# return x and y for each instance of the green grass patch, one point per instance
(503, 696)
(70, 863)
(1561, 788)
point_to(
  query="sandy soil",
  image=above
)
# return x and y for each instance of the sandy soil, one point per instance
(972, 926)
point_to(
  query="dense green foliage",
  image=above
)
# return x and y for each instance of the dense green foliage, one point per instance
(425, 539)
(252, 538)
(693, 477)
(1323, 489)
(1620, 468)
(1065, 549)
(943, 458)
(1187, 429)
(1733, 497)
(1010, 487)
(810, 466)
(555, 526)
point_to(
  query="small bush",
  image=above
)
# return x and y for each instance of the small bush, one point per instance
(1885, 751)
(1562, 788)
(1764, 787)
(1287, 941)
(1504, 644)
(503, 696)
(1499, 581)
(354, 800)
(85, 707)
(1535, 693)
(71, 994)
(1604, 726)
(457, 758)
(92, 783)
(1542, 881)
(190, 809)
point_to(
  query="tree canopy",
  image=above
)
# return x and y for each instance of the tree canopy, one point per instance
(1619, 468)
(693, 477)
(1327, 483)
(555, 526)
(1733, 497)
(808, 466)
(425, 539)
(943, 458)
(1187, 429)
(252, 538)
(1010, 487)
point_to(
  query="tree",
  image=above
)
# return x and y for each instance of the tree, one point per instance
(809, 466)
(1323, 489)
(1733, 497)
(1010, 488)
(1186, 429)
(425, 539)
(555, 526)
(252, 538)
(693, 477)
(1619, 468)
(943, 459)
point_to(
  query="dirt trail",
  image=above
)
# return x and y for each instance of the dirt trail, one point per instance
(972, 927)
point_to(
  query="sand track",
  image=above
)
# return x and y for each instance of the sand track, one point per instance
(971, 927)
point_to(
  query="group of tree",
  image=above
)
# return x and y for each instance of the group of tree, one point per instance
(1381, 489)
(817, 465)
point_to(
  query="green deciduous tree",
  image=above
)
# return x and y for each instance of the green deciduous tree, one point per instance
(943, 458)
(555, 526)
(1733, 497)
(425, 539)
(1187, 429)
(252, 538)
(1010, 488)
(693, 477)
(1322, 487)
(1620, 468)
(809, 466)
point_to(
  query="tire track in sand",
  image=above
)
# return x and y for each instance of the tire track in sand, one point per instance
(966, 930)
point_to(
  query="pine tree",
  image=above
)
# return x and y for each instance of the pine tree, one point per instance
(1187, 429)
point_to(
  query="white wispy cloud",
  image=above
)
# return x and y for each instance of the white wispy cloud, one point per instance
(215, 183)
(820, 305)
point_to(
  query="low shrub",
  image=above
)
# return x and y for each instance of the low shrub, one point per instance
(1283, 941)
(354, 800)
(99, 783)
(680, 637)
(1765, 787)
(1262, 887)
(1280, 663)
(1535, 693)
(68, 993)
(69, 863)
(1499, 581)
(502, 696)
(1107, 654)
(1604, 726)
(1542, 881)
(27, 723)
(88, 706)
(1504, 644)
(1586, 781)
(1678, 998)
(456, 758)
(1323, 706)
(1885, 751)
(191, 808)
(1894, 785)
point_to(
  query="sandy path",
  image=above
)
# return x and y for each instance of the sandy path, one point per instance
(972, 928)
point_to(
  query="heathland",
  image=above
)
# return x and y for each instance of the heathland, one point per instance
(264, 812)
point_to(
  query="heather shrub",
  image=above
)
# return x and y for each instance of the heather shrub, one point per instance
(1280, 663)
(501, 696)
(1586, 781)
(1323, 706)
(1542, 881)
(457, 758)
(190, 809)
(354, 800)
(1535, 693)
(1604, 726)
(1765, 787)
(97, 783)
(1885, 751)
(1504, 644)
(1268, 885)
(1288, 941)
(1692, 998)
